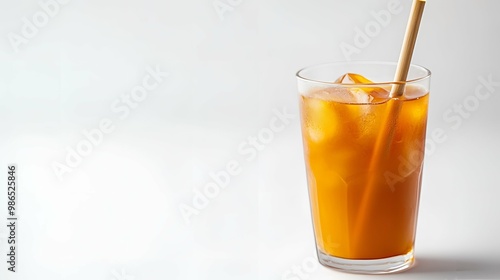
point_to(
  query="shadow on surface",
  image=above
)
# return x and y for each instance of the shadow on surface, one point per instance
(461, 268)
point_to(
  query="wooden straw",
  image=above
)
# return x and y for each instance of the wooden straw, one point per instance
(417, 10)
(384, 138)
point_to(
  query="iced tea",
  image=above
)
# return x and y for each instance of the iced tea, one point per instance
(363, 207)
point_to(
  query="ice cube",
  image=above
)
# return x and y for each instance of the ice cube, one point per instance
(360, 95)
(378, 94)
(343, 80)
(351, 78)
(321, 121)
(344, 95)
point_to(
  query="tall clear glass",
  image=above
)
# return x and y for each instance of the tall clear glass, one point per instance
(363, 153)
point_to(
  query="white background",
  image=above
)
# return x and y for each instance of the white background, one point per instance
(116, 215)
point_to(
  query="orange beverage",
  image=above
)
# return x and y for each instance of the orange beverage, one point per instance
(364, 205)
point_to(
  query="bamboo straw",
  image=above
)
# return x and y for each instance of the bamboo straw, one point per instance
(384, 138)
(408, 47)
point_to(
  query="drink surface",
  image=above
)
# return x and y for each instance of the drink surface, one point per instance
(340, 130)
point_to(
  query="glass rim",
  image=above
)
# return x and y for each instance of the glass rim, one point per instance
(360, 62)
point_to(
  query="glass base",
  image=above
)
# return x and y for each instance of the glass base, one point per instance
(377, 266)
